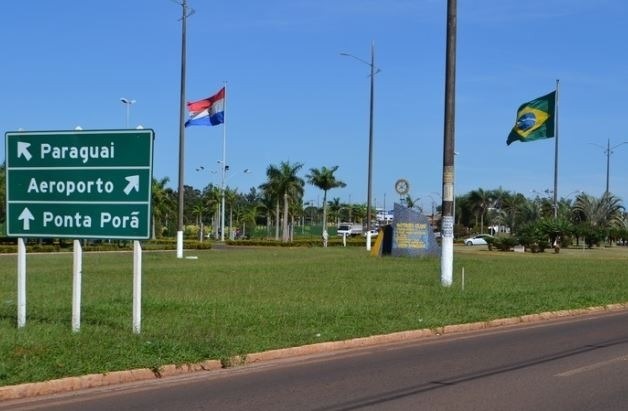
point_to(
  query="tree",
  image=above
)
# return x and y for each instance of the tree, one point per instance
(163, 204)
(272, 196)
(283, 182)
(358, 212)
(325, 180)
(191, 196)
(413, 203)
(513, 205)
(248, 218)
(333, 209)
(212, 200)
(601, 214)
(231, 197)
(480, 200)
(199, 210)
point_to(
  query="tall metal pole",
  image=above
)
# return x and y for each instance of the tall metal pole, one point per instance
(447, 230)
(609, 151)
(224, 167)
(222, 201)
(608, 162)
(370, 165)
(371, 116)
(555, 205)
(182, 130)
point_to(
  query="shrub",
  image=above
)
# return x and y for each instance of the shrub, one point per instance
(532, 238)
(504, 243)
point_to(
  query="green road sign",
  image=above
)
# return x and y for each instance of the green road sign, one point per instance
(79, 184)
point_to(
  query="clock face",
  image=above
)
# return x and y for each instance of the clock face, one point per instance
(402, 187)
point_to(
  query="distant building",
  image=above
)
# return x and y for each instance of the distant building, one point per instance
(383, 217)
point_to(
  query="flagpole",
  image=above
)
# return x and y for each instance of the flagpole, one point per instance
(224, 166)
(182, 131)
(556, 154)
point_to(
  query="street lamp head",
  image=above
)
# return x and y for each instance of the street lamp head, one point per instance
(127, 101)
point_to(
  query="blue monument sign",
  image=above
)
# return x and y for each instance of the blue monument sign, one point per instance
(412, 234)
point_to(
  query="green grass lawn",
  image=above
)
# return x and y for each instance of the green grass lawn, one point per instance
(242, 300)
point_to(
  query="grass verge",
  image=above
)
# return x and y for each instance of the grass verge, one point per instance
(241, 300)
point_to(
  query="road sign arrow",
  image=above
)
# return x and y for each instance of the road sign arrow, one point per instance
(26, 216)
(134, 184)
(22, 150)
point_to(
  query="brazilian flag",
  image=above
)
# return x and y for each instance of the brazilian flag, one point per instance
(535, 119)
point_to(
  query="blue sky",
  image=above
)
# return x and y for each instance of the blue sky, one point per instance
(292, 97)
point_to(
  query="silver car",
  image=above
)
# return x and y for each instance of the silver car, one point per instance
(479, 239)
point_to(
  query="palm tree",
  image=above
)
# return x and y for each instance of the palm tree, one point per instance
(163, 202)
(462, 210)
(271, 196)
(283, 182)
(358, 211)
(601, 214)
(198, 210)
(413, 203)
(212, 199)
(334, 208)
(248, 216)
(480, 200)
(231, 196)
(325, 180)
(513, 206)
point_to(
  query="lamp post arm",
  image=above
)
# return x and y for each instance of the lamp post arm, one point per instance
(375, 69)
(620, 144)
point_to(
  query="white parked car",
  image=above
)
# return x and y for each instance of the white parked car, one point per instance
(479, 239)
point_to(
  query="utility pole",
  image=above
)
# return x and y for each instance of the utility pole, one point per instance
(447, 230)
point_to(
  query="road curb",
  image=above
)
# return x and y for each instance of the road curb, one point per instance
(14, 392)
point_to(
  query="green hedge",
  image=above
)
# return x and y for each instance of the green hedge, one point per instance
(332, 242)
(50, 246)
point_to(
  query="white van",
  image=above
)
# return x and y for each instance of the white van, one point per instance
(349, 229)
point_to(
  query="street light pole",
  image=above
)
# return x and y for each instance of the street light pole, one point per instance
(370, 148)
(608, 150)
(127, 102)
(370, 165)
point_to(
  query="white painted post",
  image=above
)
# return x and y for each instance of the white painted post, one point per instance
(76, 286)
(179, 244)
(137, 286)
(368, 240)
(21, 283)
(344, 239)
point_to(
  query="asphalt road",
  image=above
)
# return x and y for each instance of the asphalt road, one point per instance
(574, 364)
